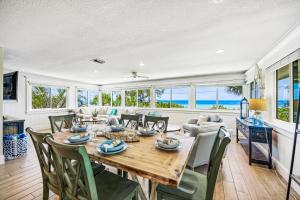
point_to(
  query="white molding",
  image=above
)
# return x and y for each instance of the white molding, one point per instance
(2, 160)
(279, 167)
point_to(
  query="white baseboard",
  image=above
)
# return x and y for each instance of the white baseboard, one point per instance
(279, 167)
(2, 160)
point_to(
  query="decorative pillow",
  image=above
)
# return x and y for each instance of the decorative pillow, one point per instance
(202, 118)
(214, 118)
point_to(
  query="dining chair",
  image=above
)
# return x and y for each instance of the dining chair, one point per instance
(194, 185)
(49, 172)
(61, 121)
(151, 121)
(127, 119)
(78, 183)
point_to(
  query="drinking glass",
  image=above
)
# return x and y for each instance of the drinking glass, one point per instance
(161, 126)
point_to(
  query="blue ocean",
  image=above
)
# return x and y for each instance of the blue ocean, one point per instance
(283, 103)
(207, 104)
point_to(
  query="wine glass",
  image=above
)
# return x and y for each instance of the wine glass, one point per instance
(161, 126)
(133, 125)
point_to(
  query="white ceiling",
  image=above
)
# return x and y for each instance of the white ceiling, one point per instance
(172, 37)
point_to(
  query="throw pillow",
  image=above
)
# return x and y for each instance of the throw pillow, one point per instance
(201, 119)
(214, 118)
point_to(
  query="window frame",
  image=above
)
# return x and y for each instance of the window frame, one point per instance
(109, 92)
(29, 97)
(171, 95)
(291, 93)
(88, 100)
(111, 98)
(217, 86)
(136, 99)
(137, 96)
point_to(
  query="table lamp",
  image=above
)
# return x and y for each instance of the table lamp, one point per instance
(258, 105)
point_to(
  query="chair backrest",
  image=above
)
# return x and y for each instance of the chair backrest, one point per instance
(216, 156)
(154, 120)
(76, 180)
(127, 120)
(45, 158)
(61, 121)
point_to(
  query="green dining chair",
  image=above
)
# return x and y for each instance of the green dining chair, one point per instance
(126, 120)
(193, 185)
(61, 121)
(49, 172)
(78, 183)
(151, 121)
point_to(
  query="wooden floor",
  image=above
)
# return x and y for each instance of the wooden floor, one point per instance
(21, 179)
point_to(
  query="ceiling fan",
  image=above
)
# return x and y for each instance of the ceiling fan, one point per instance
(135, 75)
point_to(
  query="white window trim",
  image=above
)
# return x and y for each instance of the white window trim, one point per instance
(88, 103)
(30, 110)
(171, 91)
(217, 96)
(111, 101)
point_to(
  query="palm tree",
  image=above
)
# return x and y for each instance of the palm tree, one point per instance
(237, 90)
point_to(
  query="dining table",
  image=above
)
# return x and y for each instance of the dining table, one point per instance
(143, 159)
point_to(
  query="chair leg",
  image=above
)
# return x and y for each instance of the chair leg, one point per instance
(45, 190)
(125, 174)
(119, 172)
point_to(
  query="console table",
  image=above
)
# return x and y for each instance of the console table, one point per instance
(255, 133)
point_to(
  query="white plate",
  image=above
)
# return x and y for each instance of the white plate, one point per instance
(168, 149)
(111, 153)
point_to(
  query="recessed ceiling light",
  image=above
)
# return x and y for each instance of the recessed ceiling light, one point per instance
(217, 1)
(142, 64)
(220, 51)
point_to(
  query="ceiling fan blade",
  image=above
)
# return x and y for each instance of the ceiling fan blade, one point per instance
(146, 77)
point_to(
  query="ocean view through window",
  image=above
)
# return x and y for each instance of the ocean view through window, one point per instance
(283, 93)
(177, 97)
(214, 97)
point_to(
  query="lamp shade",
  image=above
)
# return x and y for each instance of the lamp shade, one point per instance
(258, 104)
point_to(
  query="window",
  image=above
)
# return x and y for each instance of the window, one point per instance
(177, 97)
(229, 97)
(93, 97)
(254, 90)
(116, 98)
(163, 98)
(296, 86)
(283, 93)
(82, 98)
(213, 97)
(180, 97)
(206, 97)
(130, 98)
(47, 97)
(106, 98)
(87, 98)
(144, 98)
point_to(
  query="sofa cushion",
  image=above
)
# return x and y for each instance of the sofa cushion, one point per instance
(214, 118)
(201, 119)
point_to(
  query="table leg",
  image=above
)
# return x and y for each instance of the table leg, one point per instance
(153, 191)
(141, 192)
(237, 135)
(149, 186)
(250, 149)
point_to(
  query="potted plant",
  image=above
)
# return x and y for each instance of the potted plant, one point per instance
(95, 114)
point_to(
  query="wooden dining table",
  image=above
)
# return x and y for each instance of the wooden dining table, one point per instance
(144, 159)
